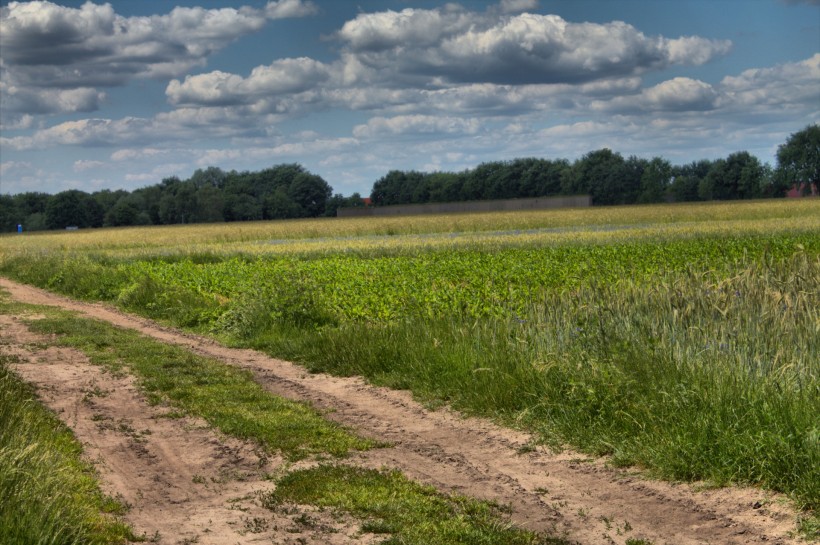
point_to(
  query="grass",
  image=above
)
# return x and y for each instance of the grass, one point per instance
(689, 376)
(226, 397)
(384, 233)
(406, 512)
(681, 344)
(388, 503)
(49, 495)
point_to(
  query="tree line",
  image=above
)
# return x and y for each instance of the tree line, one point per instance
(290, 191)
(209, 195)
(610, 179)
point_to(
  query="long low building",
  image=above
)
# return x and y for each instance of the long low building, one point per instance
(537, 203)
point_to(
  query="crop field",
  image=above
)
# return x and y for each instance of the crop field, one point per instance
(683, 339)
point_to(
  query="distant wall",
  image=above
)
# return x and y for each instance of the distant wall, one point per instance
(538, 203)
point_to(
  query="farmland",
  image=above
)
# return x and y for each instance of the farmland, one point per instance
(679, 338)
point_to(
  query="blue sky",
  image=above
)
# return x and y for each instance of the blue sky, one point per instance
(124, 94)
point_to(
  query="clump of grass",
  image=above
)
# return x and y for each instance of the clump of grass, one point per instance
(410, 513)
(49, 495)
(226, 397)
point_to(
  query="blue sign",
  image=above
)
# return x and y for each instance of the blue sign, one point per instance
(19, 228)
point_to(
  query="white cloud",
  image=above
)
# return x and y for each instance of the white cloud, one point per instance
(131, 154)
(784, 90)
(45, 46)
(675, 95)
(285, 9)
(450, 46)
(284, 76)
(44, 101)
(84, 164)
(416, 124)
(156, 174)
(790, 85)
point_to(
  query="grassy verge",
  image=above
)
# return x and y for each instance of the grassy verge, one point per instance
(232, 402)
(226, 397)
(49, 495)
(409, 513)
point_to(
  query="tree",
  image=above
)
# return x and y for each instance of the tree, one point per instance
(9, 213)
(124, 212)
(739, 176)
(655, 180)
(310, 192)
(72, 208)
(798, 160)
(603, 175)
(210, 204)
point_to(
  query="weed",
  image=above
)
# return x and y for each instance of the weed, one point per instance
(388, 503)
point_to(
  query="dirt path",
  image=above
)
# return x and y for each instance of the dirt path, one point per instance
(582, 499)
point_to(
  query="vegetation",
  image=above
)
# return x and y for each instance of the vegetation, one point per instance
(50, 496)
(210, 195)
(289, 191)
(652, 334)
(228, 398)
(388, 503)
(799, 160)
(409, 513)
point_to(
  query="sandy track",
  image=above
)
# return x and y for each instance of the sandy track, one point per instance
(568, 494)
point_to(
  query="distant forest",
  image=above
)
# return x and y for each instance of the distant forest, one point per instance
(290, 191)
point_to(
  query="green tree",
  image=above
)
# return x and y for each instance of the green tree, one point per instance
(10, 215)
(278, 205)
(124, 212)
(686, 180)
(310, 192)
(655, 180)
(210, 204)
(739, 176)
(73, 208)
(798, 160)
(604, 176)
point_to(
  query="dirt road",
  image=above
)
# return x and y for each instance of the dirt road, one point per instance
(180, 473)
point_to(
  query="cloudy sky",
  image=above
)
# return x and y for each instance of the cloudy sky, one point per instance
(124, 94)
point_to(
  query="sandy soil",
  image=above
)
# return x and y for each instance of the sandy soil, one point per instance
(186, 482)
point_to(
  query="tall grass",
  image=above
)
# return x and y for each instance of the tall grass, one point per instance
(694, 376)
(48, 495)
(696, 355)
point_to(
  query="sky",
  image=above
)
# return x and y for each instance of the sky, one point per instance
(121, 95)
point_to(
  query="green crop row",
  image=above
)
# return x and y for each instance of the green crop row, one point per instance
(339, 288)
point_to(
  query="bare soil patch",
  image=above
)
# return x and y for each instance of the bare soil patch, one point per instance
(183, 483)
(568, 494)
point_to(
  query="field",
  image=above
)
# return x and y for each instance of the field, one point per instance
(680, 339)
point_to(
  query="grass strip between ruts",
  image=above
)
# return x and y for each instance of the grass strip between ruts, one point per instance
(229, 399)
(49, 494)
(226, 397)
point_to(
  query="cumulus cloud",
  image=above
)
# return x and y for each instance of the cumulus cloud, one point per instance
(47, 46)
(781, 89)
(450, 45)
(285, 76)
(788, 84)
(675, 95)
(46, 101)
(285, 9)
(82, 165)
(416, 124)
